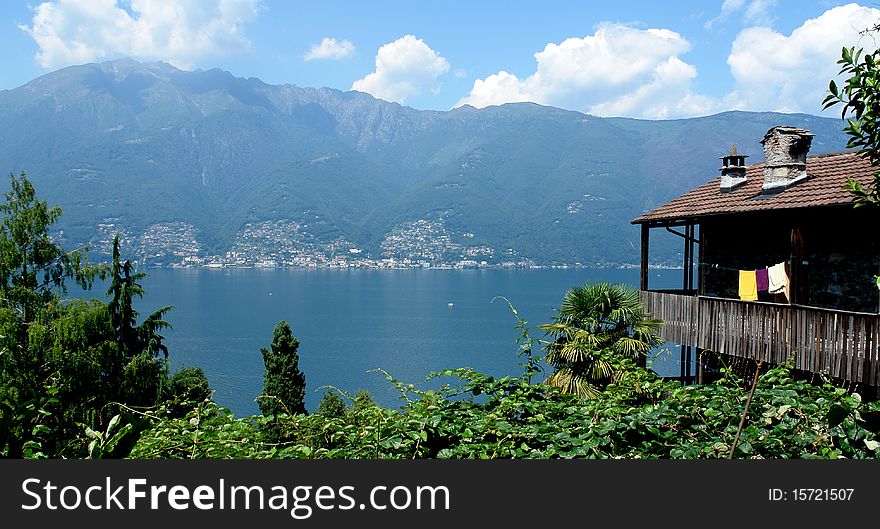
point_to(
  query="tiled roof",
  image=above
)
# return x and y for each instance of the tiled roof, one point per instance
(824, 187)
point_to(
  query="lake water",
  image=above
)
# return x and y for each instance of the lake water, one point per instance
(349, 322)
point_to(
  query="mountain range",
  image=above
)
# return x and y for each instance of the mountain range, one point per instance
(203, 163)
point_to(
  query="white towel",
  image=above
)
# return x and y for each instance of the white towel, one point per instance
(778, 279)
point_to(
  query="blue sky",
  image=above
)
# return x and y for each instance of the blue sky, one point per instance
(640, 59)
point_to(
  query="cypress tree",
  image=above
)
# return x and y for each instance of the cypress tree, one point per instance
(284, 385)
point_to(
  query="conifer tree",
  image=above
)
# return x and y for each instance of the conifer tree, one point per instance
(140, 364)
(284, 385)
(332, 406)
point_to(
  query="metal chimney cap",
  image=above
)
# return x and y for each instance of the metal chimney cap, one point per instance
(733, 154)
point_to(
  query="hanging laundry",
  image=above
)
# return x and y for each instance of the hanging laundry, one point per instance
(778, 279)
(748, 286)
(762, 279)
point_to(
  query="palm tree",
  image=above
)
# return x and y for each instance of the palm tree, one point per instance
(598, 325)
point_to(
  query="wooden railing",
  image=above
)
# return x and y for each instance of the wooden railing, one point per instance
(839, 343)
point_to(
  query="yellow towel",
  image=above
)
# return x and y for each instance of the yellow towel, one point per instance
(748, 285)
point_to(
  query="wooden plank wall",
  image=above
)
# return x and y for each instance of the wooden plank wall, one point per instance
(839, 343)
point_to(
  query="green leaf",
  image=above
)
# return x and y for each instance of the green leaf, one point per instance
(113, 423)
(836, 415)
(92, 434)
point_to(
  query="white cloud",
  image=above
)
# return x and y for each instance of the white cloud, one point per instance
(497, 89)
(730, 6)
(666, 95)
(179, 31)
(791, 73)
(331, 49)
(619, 70)
(727, 8)
(404, 68)
(756, 12)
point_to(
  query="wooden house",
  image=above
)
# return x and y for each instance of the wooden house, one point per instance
(791, 210)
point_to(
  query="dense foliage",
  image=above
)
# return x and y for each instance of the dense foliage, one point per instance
(479, 416)
(68, 367)
(473, 415)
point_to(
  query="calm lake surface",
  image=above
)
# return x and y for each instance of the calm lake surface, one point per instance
(349, 322)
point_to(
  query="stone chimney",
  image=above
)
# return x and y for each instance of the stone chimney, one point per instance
(733, 170)
(785, 157)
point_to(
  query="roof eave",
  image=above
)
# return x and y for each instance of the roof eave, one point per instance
(679, 220)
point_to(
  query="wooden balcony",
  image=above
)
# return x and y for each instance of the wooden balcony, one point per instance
(840, 344)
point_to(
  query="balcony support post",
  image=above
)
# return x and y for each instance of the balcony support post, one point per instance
(643, 277)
